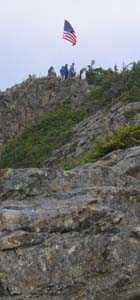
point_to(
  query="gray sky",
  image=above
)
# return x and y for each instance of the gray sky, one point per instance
(31, 35)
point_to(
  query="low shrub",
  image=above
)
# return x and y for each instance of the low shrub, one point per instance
(119, 139)
(37, 142)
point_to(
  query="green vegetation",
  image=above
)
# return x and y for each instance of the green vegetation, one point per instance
(36, 144)
(110, 86)
(130, 113)
(119, 139)
(70, 163)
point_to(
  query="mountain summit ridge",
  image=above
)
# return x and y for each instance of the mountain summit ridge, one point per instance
(69, 188)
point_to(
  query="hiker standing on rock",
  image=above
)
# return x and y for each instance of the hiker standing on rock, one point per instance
(72, 72)
(51, 72)
(82, 74)
(66, 71)
(62, 72)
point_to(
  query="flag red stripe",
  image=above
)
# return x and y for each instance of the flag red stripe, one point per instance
(73, 42)
(71, 34)
(70, 40)
(70, 37)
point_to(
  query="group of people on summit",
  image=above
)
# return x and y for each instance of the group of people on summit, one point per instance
(66, 72)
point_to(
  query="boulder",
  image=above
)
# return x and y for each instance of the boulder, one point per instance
(72, 234)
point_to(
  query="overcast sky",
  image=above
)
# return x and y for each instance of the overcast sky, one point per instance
(31, 35)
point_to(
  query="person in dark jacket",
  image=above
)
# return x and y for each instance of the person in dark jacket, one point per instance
(72, 71)
(66, 71)
(51, 72)
(62, 72)
(82, 74)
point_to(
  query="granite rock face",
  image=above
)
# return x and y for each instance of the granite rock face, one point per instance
(72, 234)
(25, 103)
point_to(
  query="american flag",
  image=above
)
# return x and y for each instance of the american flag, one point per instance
(69, 33)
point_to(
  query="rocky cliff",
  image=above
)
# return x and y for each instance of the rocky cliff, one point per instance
(70, 234)
(25, 103)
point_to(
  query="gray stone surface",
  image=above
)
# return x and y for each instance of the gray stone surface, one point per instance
(69, 235)
(72, 234)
